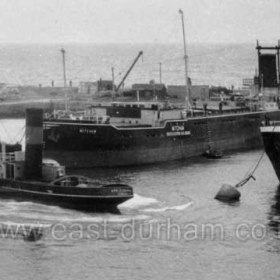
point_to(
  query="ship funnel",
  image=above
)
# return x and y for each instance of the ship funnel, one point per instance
(34, 143)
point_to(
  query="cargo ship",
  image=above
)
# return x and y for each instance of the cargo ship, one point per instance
(125, 134)
(83, 144)
(271, 139)
(24, 175)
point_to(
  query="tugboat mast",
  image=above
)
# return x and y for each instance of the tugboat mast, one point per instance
(186, 62)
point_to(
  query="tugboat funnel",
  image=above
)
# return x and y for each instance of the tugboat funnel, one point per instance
(34, 144)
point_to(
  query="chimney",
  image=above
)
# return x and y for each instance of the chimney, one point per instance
(34, 144)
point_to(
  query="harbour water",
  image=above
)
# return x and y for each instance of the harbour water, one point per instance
(209, 64)
(172, 228)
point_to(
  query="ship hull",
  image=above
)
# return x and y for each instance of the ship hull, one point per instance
(81, 145)
(271, 139)
(97, 200)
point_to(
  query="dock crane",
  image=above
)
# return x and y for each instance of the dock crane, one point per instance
(129, 70)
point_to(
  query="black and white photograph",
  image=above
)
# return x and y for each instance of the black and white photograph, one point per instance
(139, 139)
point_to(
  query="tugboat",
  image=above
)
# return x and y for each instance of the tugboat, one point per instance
(26, 176)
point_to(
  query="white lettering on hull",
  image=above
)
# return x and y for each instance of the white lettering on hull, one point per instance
(178, 133)
(87, 131)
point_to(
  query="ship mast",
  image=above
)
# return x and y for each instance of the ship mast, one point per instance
(160, 73)
(63, 65)
(113, 82)
(64, 79)
(186, 62)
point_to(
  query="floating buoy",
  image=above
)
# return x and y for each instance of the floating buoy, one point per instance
(228, 193)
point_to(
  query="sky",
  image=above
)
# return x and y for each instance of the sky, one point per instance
(138, 21)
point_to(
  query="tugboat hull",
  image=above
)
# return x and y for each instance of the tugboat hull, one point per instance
(103, 199)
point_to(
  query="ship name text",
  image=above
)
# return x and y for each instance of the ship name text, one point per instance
(178, 130)
(87, 131)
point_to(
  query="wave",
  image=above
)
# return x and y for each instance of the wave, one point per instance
(126, 219)
(104, 218)
(29, 212)
(138, 201)
(11, 205)
(169, 208)
(71, 217)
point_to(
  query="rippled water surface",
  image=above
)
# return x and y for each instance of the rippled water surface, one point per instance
(171, 229)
